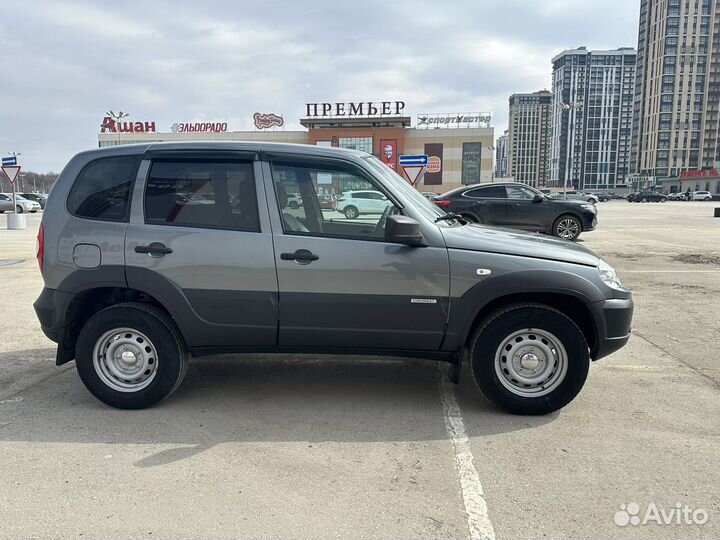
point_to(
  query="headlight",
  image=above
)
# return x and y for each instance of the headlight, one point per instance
(588, 206)
(609, 276)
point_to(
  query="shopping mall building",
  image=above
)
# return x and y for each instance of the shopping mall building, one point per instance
(459, 146)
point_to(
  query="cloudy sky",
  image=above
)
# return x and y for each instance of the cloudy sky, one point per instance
(66, 62)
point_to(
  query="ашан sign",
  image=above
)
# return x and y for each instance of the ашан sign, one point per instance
(108, 124)
(355, 108)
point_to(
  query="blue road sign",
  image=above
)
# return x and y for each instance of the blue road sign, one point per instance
(9, 161)
(409, 161)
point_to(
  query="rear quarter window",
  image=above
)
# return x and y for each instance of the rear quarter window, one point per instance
(102, 189)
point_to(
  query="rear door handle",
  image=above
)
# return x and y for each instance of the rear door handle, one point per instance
(302, 256)
(155, 249)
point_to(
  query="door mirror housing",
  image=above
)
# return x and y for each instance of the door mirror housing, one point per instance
(538, 198)
(404, 230)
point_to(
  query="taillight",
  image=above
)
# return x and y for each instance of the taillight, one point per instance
(41, 246)
(441, 202)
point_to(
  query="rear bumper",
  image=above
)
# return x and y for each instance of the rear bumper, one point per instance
(614, 325)
(51, 308)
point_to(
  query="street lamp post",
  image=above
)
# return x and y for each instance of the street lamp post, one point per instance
(492, 166)
(117, 117)
(570, 107)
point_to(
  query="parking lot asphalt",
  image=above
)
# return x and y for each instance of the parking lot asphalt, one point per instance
(333, 447)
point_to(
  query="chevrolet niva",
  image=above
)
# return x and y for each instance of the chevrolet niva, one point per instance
(152, 253)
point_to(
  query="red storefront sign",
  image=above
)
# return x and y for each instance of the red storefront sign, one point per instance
(388, 152)
(699, 174)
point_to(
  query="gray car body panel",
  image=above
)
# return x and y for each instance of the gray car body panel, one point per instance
(229, 290)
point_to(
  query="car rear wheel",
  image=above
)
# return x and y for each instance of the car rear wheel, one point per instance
(293, 205)
(131, 356)
(529, 359)
(351, 212)
(567, 227)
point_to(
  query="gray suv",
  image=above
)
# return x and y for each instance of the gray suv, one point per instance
(153, 253)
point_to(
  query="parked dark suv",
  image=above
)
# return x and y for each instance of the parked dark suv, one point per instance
(138, 278)
(521, 207)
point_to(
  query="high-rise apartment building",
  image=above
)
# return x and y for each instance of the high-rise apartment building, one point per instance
(501, 156)
(528, 137)
(677, 89)
(592, 111)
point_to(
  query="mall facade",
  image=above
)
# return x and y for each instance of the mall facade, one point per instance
(459, 146)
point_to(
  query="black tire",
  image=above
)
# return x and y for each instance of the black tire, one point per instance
(19, 209)
(644, 199)
(558, 226)
(351, 212)
(489, 338)
(294, 205)
(708, 198)
(172, 356)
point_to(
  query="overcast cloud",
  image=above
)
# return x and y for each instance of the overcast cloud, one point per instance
(65, 63)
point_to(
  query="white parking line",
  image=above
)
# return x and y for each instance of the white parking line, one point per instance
(671, 271)
(476, 509)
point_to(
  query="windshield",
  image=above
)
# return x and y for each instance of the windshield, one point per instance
(419, 202)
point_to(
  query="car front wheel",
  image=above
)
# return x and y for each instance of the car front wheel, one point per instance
(529, 359)
(567, 227)
(131, 356)
(19, 209)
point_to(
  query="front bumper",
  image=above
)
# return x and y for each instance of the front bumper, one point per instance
(614, 325)
(590, 221)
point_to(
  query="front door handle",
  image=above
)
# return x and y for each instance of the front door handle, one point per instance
(155, 249)
(302, 256)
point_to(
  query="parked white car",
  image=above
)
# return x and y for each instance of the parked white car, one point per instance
(22, 204)
(356, 203)
(702, 196)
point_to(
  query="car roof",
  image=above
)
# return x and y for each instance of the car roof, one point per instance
(462, 189)
(237, 146)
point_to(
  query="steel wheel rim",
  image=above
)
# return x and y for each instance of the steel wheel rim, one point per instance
(531, 362)
(351, 213)
(125, 359)
(568, 228)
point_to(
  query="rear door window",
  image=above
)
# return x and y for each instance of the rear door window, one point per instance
(490, 192)
(205, 194)
(102, 189)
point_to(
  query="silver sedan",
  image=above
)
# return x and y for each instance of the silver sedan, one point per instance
(22, 204)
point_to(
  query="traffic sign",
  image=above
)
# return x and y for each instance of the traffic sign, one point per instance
(11, 172)
(9, 160)
(421, 160)
(413, 173)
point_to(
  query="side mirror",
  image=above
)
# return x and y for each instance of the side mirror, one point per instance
(404, 230)
(538, 198)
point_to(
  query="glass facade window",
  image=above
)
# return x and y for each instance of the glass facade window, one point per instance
(364, 144)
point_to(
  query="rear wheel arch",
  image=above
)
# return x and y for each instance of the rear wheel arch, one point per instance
(92, 300)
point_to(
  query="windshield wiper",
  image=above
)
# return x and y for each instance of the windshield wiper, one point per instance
(450, 217)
